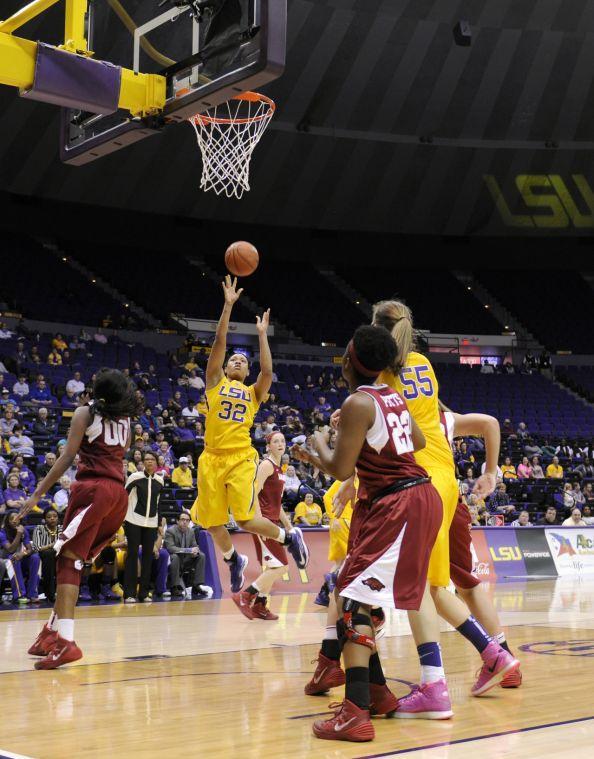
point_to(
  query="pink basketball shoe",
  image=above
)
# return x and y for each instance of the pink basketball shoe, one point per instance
(497, 663)
(428, 701)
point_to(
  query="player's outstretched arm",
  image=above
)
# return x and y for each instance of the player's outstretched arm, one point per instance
(356, 417)
(265, 469)
(487, 427)
(264, 380)
(214, 367)
(80, 421)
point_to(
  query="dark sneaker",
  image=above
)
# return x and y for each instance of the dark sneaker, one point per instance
(297, 548)
(237, 569)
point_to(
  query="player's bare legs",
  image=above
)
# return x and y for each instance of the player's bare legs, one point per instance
(293, 540)
(259, 591)
(222, 539)
(56, 641)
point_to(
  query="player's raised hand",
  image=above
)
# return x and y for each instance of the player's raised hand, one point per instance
(484, 485)
(28, 506)
(263, 323)
(300, 453)
(230, 290)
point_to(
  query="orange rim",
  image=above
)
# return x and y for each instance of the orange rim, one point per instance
(252, 97)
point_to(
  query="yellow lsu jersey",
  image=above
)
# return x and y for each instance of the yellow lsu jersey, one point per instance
(232, 407)
(347, 513)
(418, 384)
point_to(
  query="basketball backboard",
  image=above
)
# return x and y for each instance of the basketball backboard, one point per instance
(208, 51)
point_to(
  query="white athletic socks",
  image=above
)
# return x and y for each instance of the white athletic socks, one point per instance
(331, 633)
(66, 629)
(53, 621)
(500, 638)
(431, 674)
(229, 554)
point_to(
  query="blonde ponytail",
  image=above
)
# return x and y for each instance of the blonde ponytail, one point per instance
(396, 317)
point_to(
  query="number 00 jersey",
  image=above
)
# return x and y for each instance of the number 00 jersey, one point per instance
(418, 385)
(103, 448)
(232, 407)
(387, 453)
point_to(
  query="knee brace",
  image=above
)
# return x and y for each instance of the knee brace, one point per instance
(68, 571)
(345, 627)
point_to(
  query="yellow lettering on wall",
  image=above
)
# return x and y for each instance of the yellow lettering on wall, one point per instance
(526, 184)
(578, 219)
(509, 219)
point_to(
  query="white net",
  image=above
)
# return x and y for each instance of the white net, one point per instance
(227, 135)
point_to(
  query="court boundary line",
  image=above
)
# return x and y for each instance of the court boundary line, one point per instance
(458, 741)
(4, 754)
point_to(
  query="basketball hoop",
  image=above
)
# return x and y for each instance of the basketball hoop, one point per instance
(227, 135)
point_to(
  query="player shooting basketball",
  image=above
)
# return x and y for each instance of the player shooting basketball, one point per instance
(228, 466)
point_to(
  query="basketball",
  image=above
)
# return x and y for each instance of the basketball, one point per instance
(241, 258)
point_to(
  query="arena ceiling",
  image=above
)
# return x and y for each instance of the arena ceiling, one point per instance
(383, 124)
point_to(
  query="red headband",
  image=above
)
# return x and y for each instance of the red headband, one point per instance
(363, 370)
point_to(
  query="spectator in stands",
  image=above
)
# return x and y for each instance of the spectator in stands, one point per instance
(71, 471)
(182, 474)
(545, 364)
(500, 501)
(54, 358)
(550, 518)
(183, 438)
(14, 495)
(474, 518)
(63, 494)
(323, 408)
(508, 469)
(522, 432)
(507, 428)
(6, 398)
(21, 443)
(529, 362)
(292, 485)
(20, 389)
(547, 448)
(185, 556)
(568, 497)
(508, 368)
(470, 479)
(58, 343)
(537, 471)
(199, 431)
(307, 512)
(69, 400)
(140, 526)
(564, 450)
(589, 494)
(136, 457)
(3, 462)
(587, 515)
(190, 412)
(148, 421)
(555, 470)
(26, 476)
(20, 355)
(40, 394)
(162, 468)
(195, 380)
(44, 539)
(575, 520)
(8, 422)
(577, 494)
(49, 461)
(75, 385)
(524, 469)
(44, 426)
(35, 358)
(531, 448)
(463, 457)
(487, 368)
(523, 520)
(16, 544)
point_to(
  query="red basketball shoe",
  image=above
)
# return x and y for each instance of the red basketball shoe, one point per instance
(383, 701)
(244, 600)
(261, 611)
(63, 652)
(44, 642)
(328, 675)
(348, 724)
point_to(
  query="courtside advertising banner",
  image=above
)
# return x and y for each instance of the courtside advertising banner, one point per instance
(572, 549)
(504, 552)
(536, 552)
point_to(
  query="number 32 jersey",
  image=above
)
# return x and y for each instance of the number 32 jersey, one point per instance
(387, 453)
(232, 407)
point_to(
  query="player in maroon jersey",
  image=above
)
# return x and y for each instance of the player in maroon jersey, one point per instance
(395, 522)
(100, 434)
(270, 553)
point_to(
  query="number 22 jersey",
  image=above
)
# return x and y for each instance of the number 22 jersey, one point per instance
(232, 407)
(387, 453)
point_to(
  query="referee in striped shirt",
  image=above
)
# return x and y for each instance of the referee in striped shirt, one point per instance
(44, 538)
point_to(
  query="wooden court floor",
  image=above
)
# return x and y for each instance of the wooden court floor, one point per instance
(198, 679)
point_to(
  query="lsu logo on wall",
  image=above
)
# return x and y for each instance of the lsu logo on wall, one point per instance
(546, 201)
(505, 553)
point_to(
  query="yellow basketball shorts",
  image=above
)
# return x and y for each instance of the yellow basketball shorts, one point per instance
(439, 563)
(339, 539)
(226, 483)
